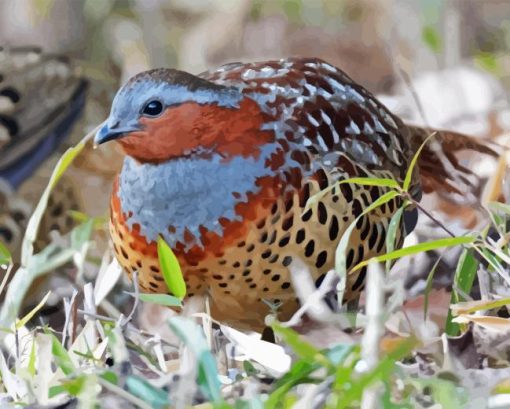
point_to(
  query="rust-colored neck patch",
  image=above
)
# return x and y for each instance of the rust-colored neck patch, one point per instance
(191, 128)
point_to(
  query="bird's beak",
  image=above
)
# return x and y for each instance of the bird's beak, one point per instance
(107, 133)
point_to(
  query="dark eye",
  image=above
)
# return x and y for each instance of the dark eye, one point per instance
(153, 108)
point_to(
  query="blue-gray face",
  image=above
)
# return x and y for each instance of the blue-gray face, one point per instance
(151, 92)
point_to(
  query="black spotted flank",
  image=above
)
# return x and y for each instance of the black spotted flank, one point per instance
(300, 236)
(309, 249)
(333, 228)
(322, 213)
(286, 261)
(321, 259)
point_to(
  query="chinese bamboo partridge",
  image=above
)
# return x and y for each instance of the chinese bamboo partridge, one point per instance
(222, 164)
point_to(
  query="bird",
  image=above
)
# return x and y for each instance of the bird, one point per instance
(42, 95)
(221, 165)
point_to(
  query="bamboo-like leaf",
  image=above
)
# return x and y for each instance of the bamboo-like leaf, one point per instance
(341, 249)
(392, 233)
(418, 248)
(464, 277)
(171, 269)
(409, 174)
(469, 307)
(62, 358)
(193, 337)
(5, 254)
(157, 398)
(161, 299)
(381, 182)
(302, 348)
(428, 287)
(27, 247)
(22, 322)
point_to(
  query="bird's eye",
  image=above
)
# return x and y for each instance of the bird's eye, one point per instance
(153, 108)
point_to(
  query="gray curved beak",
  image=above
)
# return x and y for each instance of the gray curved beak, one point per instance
(108, 133)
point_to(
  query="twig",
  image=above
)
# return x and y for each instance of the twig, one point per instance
(74, 318)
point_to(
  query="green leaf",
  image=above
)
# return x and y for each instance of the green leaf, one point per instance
(410, 170)
(352, 389)
(392, 233)
(302, 348)
(110, 376)
(73, 386)
(32, 359)
(27, 246)
(343, 244)
(161, 299)
(428, 287)
(499, 207)
(171, 269)
(62, 358)
(464, 278)
(382, 182)
(156, 398)
(418, 248)
(5, 254)
(22, 322)
(488, 62)
(432, 38)
(193, 337)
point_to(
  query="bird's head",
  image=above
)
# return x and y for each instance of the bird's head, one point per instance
(163, 114)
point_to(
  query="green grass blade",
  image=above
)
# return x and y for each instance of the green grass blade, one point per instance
(381, 182)
(302, 348)
(392, 233)
(341, 249)
(171, 269)
(412, 165)
(161, 299)
(5, 254)
(428, 287)
(418, 248)
(193, 337)
(156, 398)
(340, 254)
(27, 246)
(464, 278)
(23, 321)
(62, 358)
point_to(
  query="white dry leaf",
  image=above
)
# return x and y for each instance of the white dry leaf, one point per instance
(98, 353)
(69, 319)
(44, 373)
(90, 310)
(106, 279)
(15, 386)
(271, 356)
(24, 344)
(81, 343)
(492, 323)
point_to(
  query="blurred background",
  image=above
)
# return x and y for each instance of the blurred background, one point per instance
(443, 63)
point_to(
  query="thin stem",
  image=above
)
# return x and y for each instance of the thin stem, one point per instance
(430, 216)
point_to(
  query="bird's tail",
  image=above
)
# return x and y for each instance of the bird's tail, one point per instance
(440, 170)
